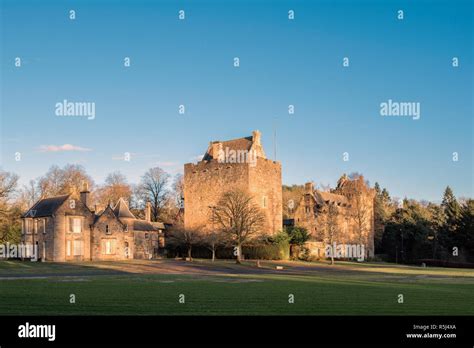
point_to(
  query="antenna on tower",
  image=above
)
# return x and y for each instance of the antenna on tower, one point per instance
(274, 140)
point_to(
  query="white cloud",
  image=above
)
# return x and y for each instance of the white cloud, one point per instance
(62, 148)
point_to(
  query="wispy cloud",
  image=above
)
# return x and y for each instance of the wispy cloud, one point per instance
(62, 148)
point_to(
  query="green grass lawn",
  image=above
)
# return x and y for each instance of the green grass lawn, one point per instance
(344, 289)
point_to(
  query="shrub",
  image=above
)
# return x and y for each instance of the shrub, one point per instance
(274, 251)
(297, 235)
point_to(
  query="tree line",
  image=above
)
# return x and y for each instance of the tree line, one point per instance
(408, 230)
(405, 230)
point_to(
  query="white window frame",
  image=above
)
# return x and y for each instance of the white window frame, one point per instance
(28, 225)
(78, 245)
(108, 246)
(74, 225)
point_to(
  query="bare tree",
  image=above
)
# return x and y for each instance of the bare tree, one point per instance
(211, 241)
(173, 204)
(8, 183)
(115, 187)
(361, 217)
(153, 189)
(67, 180)
(238, 218)
(178, 190)
(10, 226)
(331, 227)
(187, 237)
(27, 195)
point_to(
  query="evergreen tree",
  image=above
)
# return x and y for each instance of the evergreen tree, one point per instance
(452, 210)
(437, 219)
(466, 230)
(386, 196)
(377, 188)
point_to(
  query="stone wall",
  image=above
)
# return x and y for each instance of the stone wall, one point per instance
(355, 222)
(45, 241)
(206, 182)
(265, 184)
(117, 233)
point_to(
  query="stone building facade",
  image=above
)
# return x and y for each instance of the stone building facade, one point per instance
(66, 228)
(353, 215)
(229, 165)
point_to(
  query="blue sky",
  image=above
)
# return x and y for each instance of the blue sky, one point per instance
(282, 62)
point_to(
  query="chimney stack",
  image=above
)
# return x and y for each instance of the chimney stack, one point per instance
(148, 211)
(256, 137)
(85, 194)
(309, 187)
(216, 149)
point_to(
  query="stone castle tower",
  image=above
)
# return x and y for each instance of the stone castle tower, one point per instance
(227, 165)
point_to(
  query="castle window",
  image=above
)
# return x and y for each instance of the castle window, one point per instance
(264, 201)
(146, 235)
(126, 228)
(107, 230)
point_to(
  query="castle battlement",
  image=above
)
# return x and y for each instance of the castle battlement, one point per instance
(222, 170)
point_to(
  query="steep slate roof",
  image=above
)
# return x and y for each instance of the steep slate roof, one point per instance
(234, 144)
(46, 206)
(143, 225)
(121, 210)
(324, 197)
(107, 211)
(238, 144)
